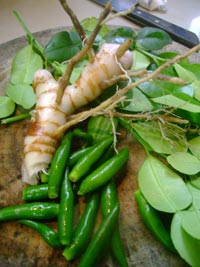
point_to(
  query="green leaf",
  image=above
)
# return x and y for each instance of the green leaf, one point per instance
(194, 146)
(24, 65)
(77, 71)
(195, 181)
(172, 54)
(128, 125)
(184, 74)
(7, 106)
(22, 94)
(152, 38)
(59, 69)
(193, 117)
(194, 68)
(160, 88)
(196, 86)
(152, 89)
(184, 162)
(120, 35)
(178, 101)
(187, 246)
(186, 89)
(163, 188)
(90, 23)
(191, 222)
(159, 142)
(138, 102)
(195, 192)
(62, 46)
(140, 61)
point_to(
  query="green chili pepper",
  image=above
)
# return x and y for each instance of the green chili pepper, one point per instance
(108, 201)
(32, 211)
(104, 173)
(47, 233)
(58, 166)
(35, 192)
(153, 222)
(99, 239)
(107, 155)
(84, 229)
(101, 127)
(75, 156)
(65, 215)
(87, 161)
(84, 135)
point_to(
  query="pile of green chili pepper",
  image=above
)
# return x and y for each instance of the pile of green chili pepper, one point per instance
(90, 171)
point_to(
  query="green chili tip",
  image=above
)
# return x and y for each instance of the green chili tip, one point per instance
(152, 220)
(47, 233)
(99, 239)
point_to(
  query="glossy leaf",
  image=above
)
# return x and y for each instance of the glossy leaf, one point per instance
(172, 54)
(159, 142)
(120, 35)
(140, 61)
(195, 181)
(196, 86)
(90, 23)
(151, 38)
(194, 68)
(160, 88)
(184, 162)
(24, 65)
(194, 146)
(184, 74)
(7, 106)
(151, 89)
(186, 89)
(63, 46)
(178, 102)
(187, 246)
(138, 102)
(195, 192)
(193, 117)
(22, 94)
(190, 222)
(163, 188)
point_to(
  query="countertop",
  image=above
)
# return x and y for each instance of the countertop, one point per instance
(46, 14)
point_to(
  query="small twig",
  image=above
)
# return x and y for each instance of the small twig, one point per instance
(119, 14)
(123, 48)
(77, 26)
(64, 80)
(122, 77)
(139, 73)
(74, 19)
(171, 79)
(113, 131)
(144, 116)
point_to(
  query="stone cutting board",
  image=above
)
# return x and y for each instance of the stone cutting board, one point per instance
(23, 247)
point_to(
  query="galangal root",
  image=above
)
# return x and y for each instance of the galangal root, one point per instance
(41, 141)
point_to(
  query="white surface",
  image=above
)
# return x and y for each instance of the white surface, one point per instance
(44, 14)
